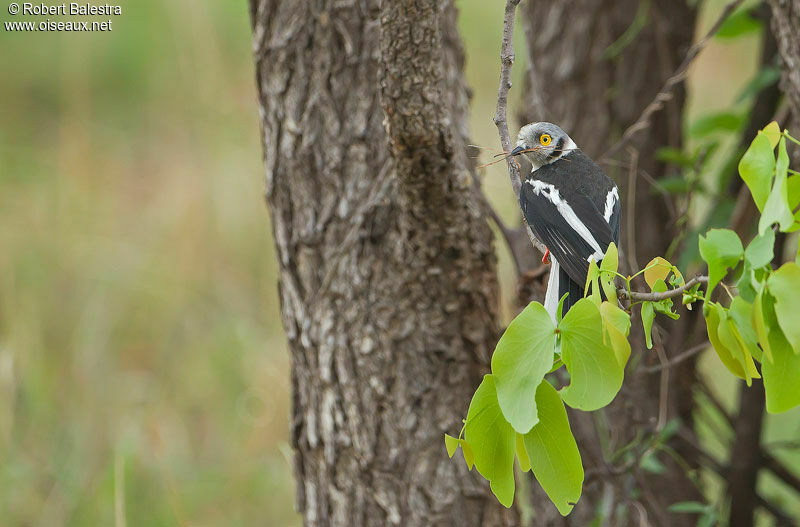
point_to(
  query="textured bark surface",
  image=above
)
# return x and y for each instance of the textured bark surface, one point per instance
(594, 82)
(786, 28)
(387, 270)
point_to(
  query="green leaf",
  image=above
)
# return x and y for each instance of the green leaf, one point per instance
(469, 457)
(592, 281)
(648, 315)
(492, 441)
(773, 133)
(651, 463)
(688, 507)
(560, 310)
(595, 373)
(793, 191)
(777, 210)
(784, 285)
(616, 326)
(740, 314)
(451, 443)
(522, 454)
(714, 315)
(673, 185)
(716, 122)
(759, 251)
(657, 269)
(763, 318)
(554, 455)
(737, 24)
(676, 156)
(663, 306)
(781, 374)
(756, 168)
(523, 356)
(728, 336)
(720, 248)
(608, 270)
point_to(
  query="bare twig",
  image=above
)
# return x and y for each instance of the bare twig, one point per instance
(631, 210)
(663, 392)
(666, 91)
(636, 296)
(691, 352)
(500, 119)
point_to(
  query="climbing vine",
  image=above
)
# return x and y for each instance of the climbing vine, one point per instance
(518, 411)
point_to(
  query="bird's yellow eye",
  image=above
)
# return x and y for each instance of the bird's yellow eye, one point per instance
(545, 139)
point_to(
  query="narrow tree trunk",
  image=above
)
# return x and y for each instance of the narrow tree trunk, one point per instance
(387, 270)
(594, 66)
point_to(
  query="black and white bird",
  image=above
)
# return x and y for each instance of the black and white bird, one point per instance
(571, 205)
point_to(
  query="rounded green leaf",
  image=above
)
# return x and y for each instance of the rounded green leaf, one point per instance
(760, 250)
(523, 356)
(720, 248)
(595, 372)
(784, 285)
(553, 453)
(492, 441)
(756, 168)
(657, 269)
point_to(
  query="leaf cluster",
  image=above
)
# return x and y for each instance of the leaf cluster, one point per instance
(542, 365)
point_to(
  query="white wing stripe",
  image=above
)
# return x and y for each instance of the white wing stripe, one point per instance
(611, 198)
(551, 193)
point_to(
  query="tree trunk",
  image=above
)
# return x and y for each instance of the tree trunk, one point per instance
(786, 28)
(594, 66)
(387, 270)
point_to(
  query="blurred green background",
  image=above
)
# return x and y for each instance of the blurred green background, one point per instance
(144, 376)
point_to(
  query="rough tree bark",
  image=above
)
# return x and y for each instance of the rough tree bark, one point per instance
(387, 270)
(593, 69)
(786, 28)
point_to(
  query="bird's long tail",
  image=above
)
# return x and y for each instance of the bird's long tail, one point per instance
(558, 285)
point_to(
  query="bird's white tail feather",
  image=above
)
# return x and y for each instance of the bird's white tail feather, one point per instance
(551, 297)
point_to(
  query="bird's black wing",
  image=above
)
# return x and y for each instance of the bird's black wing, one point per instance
(548, 214)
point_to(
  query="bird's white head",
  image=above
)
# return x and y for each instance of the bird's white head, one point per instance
(543, 143)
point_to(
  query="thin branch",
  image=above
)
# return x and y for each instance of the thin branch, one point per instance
(500, 119)
(688, 354)
(630, 227)
(666, 91)
(636, 296)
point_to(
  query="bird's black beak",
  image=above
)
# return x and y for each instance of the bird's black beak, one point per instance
(517, 151)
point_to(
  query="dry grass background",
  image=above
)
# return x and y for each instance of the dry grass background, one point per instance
(143, 368)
